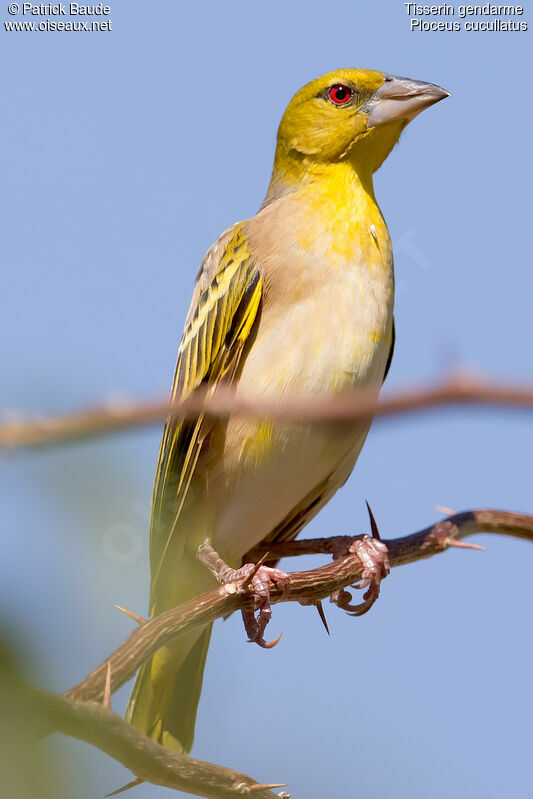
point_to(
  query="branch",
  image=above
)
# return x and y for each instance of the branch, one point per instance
(148, 760)
(307, 587)
(74, 714)
(362, 404)
(77, 714)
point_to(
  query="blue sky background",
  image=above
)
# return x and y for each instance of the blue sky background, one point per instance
(124, 155)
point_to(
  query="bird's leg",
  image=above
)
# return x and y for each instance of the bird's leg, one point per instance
(254, 578)
(373, 554)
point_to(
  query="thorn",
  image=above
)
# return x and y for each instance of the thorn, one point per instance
(252, 574)
(373, 525)
(258, 787)
(451, 542)
(131, 784)
(318, 606)
(132, 615)
(445, 510)
(106, 702)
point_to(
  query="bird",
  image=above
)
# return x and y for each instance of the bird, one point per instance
(298, 298)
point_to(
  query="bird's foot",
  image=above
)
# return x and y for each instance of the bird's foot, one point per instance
(258, 579)
(373, 554)
(254, 578)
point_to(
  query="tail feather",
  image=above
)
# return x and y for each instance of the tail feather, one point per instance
(165, 697)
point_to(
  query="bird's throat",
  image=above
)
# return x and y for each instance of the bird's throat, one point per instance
(356, 164)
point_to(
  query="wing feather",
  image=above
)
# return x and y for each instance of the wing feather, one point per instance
(222, 316)
(391, 350)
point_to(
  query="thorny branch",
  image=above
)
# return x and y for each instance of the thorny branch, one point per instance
(148, 760)
(96, 724)
(461, 389)
(307, 587)
(76, 712)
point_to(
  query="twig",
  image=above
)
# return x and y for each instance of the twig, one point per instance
(131, 614)
(456, 390)
(148, 760)
(307, 587)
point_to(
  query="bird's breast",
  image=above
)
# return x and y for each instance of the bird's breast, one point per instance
(327, 312)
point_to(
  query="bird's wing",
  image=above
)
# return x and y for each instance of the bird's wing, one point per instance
(391, 350)
(221, 318)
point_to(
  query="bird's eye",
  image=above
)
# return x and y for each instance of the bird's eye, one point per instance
(339, 93)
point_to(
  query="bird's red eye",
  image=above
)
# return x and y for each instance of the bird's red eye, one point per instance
(339, 93)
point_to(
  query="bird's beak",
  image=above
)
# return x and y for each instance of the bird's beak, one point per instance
(401, 99)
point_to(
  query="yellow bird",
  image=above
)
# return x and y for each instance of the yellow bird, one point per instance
(299, 298)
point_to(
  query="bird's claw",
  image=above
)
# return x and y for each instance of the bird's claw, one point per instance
(255, 627)
(257, 579)
(373, 554)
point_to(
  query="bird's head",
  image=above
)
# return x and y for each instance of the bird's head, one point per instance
(350, 115)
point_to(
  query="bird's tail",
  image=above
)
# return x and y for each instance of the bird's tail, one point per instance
(167, 690)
